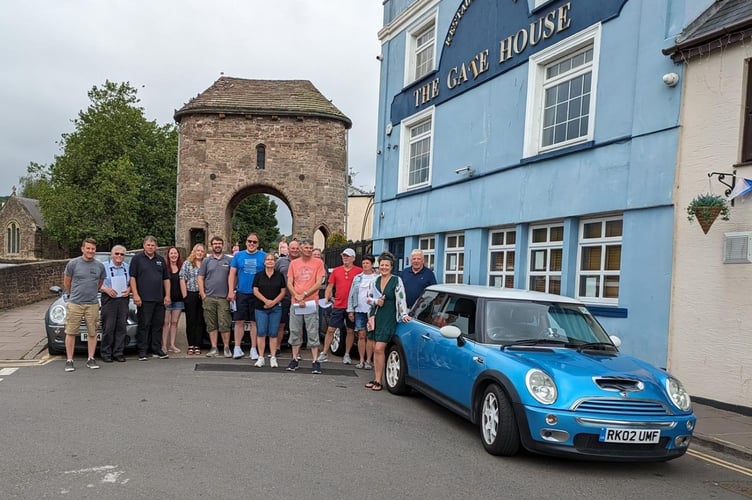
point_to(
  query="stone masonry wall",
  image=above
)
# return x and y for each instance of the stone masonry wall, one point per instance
(25, 284)
(306, 162)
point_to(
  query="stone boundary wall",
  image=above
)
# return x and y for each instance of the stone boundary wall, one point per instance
(24, 284)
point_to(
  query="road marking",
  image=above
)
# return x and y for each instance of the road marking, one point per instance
(721, 463)
(7, 371)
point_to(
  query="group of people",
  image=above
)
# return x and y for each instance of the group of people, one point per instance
(252, 287)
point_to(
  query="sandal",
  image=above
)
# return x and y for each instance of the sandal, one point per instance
(370, 384)
(376, 386)
(197, 351)
(190, 351)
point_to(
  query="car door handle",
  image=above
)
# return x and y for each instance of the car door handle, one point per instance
(425, 336)
(478, 360)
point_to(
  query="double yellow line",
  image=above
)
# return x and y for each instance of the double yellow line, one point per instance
(721, 463)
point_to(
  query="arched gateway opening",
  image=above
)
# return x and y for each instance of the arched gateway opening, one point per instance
(241, 137)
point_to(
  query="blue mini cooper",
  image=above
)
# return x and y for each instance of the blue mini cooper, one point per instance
(537, 371)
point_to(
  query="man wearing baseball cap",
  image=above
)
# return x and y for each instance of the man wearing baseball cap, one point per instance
(340, 281)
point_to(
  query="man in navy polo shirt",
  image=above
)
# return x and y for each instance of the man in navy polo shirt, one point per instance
(416, 277)
(150, 285)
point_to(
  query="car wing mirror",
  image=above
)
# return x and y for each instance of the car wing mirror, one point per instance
(616, 340)
(56, 290)
(450, 332)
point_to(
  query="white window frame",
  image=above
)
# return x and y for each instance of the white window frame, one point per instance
(405, 143)
(537, 64)
(427, 244)
(545, 246)
(411, 48)
(603, 242)
(507, 250)
(454, 258)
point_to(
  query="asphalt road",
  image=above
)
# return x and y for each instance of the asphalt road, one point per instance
(165, 429)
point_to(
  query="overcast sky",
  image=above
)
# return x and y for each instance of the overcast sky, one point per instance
(52, 52)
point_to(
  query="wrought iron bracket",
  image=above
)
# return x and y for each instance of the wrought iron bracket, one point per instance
(722, 179)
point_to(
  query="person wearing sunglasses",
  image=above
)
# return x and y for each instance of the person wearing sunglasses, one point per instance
(245, 265)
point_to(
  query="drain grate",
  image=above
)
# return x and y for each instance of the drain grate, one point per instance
(246, 368)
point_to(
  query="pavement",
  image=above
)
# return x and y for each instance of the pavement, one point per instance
(23, 342)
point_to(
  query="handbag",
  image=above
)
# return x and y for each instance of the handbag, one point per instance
(371, 322)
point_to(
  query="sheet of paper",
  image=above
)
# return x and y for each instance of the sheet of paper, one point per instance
(323, 303)
(308, 308)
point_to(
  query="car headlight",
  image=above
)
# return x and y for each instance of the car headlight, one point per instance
(541, 386)
(677, 394)
(57, 314)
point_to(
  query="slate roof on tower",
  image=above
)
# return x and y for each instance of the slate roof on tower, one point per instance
(262, 97)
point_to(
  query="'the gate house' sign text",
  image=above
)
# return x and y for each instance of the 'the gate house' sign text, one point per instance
(522, 35)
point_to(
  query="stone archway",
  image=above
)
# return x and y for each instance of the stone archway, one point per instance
(242, 137)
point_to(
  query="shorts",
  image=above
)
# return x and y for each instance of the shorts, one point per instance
(311, 326)
(217, 314)
(175, 306)
(339, 319)
(245, 304)
(76, 312)
(360, 321)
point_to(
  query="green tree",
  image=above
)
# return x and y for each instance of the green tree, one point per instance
(257, 214)
(35, 182)
(336, 239)
(116, 177)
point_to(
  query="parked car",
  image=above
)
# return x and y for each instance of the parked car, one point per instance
(537, 371)
(54, 320)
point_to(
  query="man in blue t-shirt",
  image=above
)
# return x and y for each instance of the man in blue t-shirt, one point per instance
(245, 265)
(416, 277)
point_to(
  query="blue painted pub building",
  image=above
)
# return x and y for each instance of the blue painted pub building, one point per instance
(532, 144)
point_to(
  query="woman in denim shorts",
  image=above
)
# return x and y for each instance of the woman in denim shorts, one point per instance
(357, 310)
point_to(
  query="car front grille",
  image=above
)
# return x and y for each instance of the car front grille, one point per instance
(612, 406)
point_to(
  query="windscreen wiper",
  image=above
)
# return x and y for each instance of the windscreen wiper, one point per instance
(605, 346)
(526, 342)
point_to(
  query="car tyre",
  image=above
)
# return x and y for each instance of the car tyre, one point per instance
(53, 351)
(395, 371)
(498, 425)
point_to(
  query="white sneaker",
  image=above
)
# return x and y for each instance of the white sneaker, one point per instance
(228, 352)
(323, 358)
(254, 354)
(346, 359)
(260, 362)
(237, 353)
(273, 362)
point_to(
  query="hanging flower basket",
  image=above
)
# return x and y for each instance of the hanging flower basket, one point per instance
(706, 208)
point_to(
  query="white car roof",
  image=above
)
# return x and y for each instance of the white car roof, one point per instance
(490, 292)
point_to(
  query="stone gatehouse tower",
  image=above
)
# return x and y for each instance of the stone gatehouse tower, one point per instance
(241, 137)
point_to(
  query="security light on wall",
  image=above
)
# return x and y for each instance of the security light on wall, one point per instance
(468, 170)
(671, 79)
